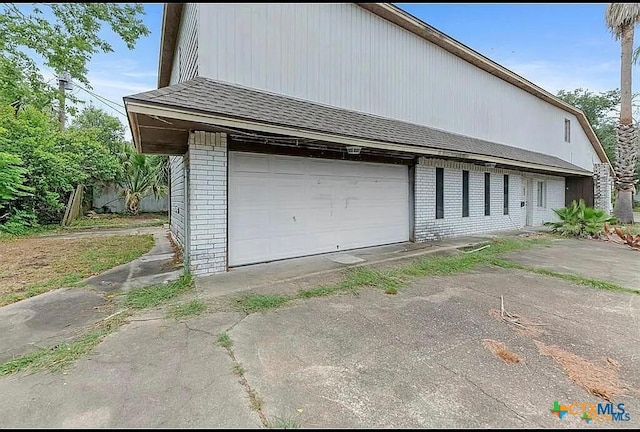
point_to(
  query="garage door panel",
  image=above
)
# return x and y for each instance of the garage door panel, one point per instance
(304, 206)
(249, 224)
(251, 163)
(287, 165)
(287, 191)
(321, 167)
(288, 221)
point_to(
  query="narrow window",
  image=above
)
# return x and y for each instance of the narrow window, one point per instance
(439, 193)
(465, 193)
(487, 194)
(567, 130)
(542, 194)
(506, 194)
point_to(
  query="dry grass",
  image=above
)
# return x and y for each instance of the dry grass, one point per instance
(31, 266)
(597, 380)
(501, 351)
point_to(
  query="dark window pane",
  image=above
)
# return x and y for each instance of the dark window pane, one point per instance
(487, 194)
(506, 194)
(439, 193)
(465, 193)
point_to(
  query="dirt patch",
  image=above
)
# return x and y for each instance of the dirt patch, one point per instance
(39, 264)
(177, 254)
(597, 380)
(501, 351)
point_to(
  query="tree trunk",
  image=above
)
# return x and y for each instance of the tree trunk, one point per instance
(626, 134)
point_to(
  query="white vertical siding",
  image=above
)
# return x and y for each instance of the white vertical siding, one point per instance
(185, 59)
(345, 56)
(177, 210)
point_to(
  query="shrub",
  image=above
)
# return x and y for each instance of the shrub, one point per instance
(578, 220)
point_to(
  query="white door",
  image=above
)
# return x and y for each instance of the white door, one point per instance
(528, 201)
(289, 206)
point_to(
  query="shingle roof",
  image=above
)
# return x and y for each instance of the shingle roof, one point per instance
(214, 97)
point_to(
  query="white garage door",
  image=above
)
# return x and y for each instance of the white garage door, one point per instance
(288, 206)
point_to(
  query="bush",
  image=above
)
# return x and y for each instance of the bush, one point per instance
(19, 222)
(578, 220)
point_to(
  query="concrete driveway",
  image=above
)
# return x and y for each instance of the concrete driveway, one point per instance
(414, 359)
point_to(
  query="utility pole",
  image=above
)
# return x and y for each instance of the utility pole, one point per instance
(64, 83)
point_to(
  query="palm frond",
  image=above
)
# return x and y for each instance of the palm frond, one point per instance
(620, 15)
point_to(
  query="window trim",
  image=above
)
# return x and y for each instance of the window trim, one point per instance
(541, 194)
(487, 194)
(439, 193)
(567, 130)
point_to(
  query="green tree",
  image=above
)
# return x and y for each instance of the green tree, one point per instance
(108, 129)
(621, 19)
(55, 162)
(141, 175)
(66, 35)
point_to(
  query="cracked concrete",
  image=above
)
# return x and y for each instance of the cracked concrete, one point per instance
(411, 360)
(417, 359)
(61, 315)
(147, 375)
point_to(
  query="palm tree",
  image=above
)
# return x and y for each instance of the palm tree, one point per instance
(621, 19)
(141, 175)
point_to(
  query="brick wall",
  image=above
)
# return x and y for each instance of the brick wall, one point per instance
(207, 245)
(428, 227)
(602, 185)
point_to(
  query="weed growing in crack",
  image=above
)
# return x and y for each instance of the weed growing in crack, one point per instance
(225, 341)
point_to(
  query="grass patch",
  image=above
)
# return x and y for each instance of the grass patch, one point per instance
(109, 252)
(255, 401)
(193, 308)
(237, 369)
(119, 221)
(147, 297)
(59, 357)
(578, 280)
(32, 266)
(390, 281)
(225, 341)
(283, 423)
(257, 303)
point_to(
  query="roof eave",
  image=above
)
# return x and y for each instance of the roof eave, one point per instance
(171, 15)
(161, 110)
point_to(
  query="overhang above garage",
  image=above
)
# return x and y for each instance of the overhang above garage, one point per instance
(162, 119)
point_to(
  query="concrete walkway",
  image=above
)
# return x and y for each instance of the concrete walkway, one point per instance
(48, 319)
(318, 269)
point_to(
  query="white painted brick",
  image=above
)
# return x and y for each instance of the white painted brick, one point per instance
(426, 225)
(208, 201)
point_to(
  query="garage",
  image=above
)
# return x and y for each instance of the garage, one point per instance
(290, 206)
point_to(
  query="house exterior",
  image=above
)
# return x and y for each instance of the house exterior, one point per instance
(298, 129)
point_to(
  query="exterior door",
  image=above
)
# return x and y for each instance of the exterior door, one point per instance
(528, 194)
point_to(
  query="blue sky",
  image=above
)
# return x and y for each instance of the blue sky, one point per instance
(556, 46)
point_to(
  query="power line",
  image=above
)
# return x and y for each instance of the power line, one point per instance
(104, 100)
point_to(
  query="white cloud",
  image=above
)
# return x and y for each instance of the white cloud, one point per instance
(596, 77)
